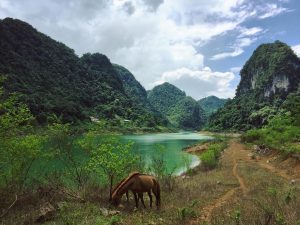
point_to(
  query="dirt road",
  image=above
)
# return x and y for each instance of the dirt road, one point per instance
(238, 154)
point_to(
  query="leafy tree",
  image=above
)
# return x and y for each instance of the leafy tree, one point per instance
(63, 146)
(18, 148)
(109, 157)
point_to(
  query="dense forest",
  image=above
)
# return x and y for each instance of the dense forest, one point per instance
(211, 104)
(267, 79)
(181, 110)
(53, 80)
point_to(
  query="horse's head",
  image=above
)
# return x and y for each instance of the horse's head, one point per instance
(115, 200)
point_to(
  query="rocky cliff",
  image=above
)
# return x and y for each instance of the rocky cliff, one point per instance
(267, 78)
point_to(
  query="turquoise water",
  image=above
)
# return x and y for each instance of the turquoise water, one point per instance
(147, 145)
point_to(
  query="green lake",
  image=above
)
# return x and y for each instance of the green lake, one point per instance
(147, 145)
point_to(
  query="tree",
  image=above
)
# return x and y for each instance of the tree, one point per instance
(19, 148)
(110, 157)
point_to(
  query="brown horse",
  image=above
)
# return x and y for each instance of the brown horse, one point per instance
(113, 190)
(138, 183)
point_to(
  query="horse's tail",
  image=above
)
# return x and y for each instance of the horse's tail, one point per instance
(157, 190)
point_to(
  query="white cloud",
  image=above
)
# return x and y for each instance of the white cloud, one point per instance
(149, 37)
(271, 10)
(200, 83)
(224, 55)
(296, 49)
(236, 69)
(239, 45)
(253, 31)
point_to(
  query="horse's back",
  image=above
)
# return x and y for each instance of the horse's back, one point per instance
(143, 183)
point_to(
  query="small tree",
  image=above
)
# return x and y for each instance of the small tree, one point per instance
(18, 148)
(63, 146)
(158, 166)
(110, 157)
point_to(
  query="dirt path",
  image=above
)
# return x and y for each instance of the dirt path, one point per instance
(237, 153)
(233, 151)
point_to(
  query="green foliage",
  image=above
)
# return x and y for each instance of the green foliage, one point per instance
(281, 134)
(54, 80)
(158, 166)
(109, 157)
(237, 217)
(18, 148)
(259, 95)
(188, 212)
(209, 159)
(63, 147)
(182, 111)
(211, 104)
(144, 112)
(115, 220)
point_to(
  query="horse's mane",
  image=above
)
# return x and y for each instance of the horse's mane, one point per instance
(123, 182)
(117, 185)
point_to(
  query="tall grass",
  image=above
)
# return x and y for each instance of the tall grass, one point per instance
(209, 158)
(280, 134)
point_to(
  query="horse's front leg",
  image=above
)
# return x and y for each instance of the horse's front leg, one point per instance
(142, 199)
(150, 197)
(127, 196)
(136, 199)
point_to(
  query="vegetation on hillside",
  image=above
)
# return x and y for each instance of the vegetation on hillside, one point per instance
(53, 80)
(211, 104)
(182, 111)
(282, 131)
(268, 77)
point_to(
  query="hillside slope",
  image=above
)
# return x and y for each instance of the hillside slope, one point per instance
(182, 111)
(53, 80)
(267, 78)
(211, 104)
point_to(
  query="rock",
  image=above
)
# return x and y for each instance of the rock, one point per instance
(292, 181)
(256, 148)
(268, 161)
(251, 155)
(47, 212)
(185, 177)
(106, 212)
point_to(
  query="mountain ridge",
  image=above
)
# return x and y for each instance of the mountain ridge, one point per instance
(267, 78)
(54, 80)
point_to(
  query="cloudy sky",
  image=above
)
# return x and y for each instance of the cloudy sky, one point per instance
(197, 45)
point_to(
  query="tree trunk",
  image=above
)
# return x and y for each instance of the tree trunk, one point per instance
(111, 177)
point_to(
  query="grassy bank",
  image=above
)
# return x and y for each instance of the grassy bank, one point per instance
(281, 134)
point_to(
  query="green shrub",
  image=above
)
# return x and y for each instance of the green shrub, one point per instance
(208, 159)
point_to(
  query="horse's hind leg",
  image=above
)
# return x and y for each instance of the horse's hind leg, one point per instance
(150, 197)
(142, 199)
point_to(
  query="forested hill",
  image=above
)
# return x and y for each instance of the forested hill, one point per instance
(268, 77)
(137, 93)
(181, 110)
(53, 79)
(211, 104)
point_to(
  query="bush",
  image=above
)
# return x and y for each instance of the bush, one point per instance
(280, 134)
(210, 157)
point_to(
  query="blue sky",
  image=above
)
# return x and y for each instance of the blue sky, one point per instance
(197, 45)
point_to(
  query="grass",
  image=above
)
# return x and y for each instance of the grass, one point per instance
(209, 159)
(269, 198)
(280, 134)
